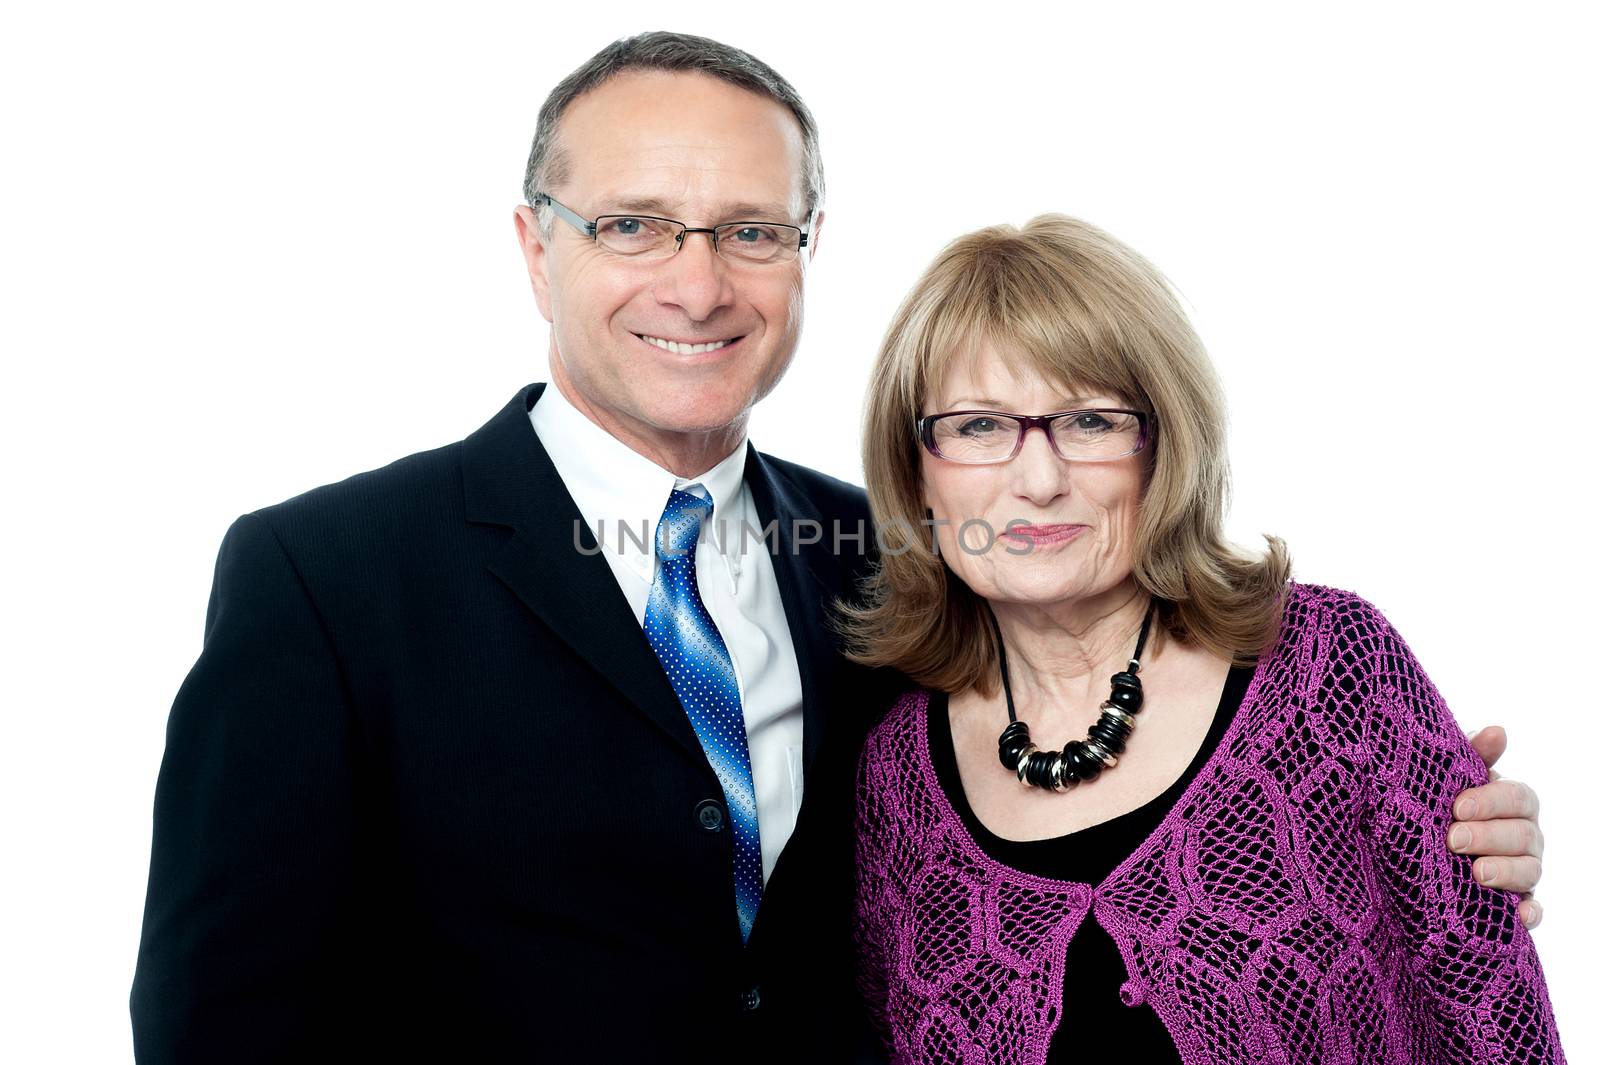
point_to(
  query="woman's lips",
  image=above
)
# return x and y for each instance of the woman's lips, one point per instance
(1040, 535)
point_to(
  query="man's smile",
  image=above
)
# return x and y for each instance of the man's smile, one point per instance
(686, 347)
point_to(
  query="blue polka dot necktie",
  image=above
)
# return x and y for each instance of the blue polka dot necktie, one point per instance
(701, 671)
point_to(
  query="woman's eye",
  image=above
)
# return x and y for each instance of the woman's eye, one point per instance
(1090, 422)
(978, 426)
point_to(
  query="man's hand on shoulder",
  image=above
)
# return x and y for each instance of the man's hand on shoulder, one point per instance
(1498, 823)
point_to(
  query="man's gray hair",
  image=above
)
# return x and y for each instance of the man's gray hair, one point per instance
(548, 165)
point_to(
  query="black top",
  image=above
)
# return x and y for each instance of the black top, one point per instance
(1093, 1013)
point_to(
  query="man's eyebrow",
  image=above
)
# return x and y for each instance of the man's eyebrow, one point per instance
(755, 212)
(733, 212)
(642, 205)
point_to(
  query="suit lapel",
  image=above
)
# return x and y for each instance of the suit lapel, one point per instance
(509, 480)
(806, 590)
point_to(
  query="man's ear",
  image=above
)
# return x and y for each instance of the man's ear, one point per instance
(534, 252)
(816, 235)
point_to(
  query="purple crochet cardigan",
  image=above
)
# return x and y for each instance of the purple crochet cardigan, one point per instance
(1298, 904)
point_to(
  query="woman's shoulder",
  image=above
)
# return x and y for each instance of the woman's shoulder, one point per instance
(906, 713)
(1324, 597)
(1365, 675)
(1333, 619)
(896, 733)
(1338, 644)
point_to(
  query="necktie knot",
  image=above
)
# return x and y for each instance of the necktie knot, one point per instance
(681, 520)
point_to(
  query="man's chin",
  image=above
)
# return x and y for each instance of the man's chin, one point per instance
(697, 411)
(700, 426)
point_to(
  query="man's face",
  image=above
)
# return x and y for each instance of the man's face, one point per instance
(696, 149)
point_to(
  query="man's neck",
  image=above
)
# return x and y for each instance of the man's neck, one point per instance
(684, 454)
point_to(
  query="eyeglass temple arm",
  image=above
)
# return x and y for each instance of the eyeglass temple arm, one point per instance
(566, 214)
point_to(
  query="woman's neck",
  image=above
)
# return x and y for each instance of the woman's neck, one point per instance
(1065, 652)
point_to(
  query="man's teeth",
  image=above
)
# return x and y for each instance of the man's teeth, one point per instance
(684, 349)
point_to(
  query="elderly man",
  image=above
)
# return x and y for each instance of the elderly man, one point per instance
(471, 767)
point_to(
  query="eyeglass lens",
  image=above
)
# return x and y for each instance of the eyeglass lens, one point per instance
(635, 235)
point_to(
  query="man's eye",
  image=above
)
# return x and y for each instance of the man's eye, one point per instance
(753, 235)
(625, 227)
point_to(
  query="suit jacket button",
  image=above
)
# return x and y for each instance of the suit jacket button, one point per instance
(709, 813)
(750, 999)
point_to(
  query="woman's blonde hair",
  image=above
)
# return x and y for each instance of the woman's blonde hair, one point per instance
(1075, 306)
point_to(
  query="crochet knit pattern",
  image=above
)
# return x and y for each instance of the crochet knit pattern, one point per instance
(1297, 905)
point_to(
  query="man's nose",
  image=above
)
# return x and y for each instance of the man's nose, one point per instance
(696, 279)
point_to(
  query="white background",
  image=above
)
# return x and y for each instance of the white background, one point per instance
(252, 249)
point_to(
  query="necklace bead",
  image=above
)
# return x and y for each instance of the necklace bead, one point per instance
(1080, 760)
(1024, 761)
(1108, 739)
(1118, 715)
(1012, 743)
(1103, 756)
(1039, 767)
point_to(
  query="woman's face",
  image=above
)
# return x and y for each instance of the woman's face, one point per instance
(1072, 522)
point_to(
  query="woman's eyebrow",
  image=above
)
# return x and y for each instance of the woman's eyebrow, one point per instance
(1070, 403)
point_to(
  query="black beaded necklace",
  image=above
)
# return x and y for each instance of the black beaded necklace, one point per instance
(1081, 759)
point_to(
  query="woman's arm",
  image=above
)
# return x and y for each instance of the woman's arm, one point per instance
(1476, 977)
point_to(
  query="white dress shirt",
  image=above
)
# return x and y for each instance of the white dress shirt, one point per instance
(621, 495)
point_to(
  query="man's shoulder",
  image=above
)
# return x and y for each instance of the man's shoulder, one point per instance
(397, 501)
(831, 496)
(421, 486)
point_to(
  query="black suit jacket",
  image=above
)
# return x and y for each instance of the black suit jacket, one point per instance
(428, 795)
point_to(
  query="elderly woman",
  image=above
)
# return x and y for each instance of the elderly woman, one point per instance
(1153, 796)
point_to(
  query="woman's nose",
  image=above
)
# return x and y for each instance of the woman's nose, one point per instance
(1041, 476)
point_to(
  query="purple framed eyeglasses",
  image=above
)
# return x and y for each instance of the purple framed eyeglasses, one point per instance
(981, 437)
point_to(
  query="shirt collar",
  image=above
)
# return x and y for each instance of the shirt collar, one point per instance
(612, 483)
